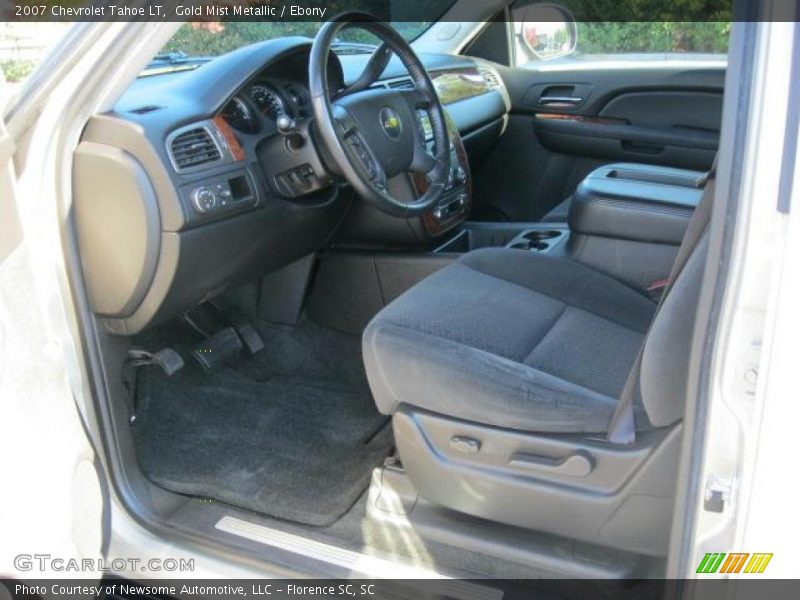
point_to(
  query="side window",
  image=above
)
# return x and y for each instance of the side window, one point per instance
(23, 45)
(600, 39)
(547, 33)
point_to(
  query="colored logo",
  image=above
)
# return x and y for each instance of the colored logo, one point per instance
(734, 562)
(390, 121)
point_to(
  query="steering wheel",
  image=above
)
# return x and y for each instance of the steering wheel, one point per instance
(373, 134)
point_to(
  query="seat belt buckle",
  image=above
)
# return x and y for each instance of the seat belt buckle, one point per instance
(656, 289)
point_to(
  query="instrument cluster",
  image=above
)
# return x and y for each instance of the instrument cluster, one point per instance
(262, 102)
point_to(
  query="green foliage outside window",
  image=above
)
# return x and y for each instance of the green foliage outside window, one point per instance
(16, 70)
(644, 26)
(616, 38)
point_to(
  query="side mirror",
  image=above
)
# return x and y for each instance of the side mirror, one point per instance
(548, 31)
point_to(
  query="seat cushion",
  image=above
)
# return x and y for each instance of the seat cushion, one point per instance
(510, 338)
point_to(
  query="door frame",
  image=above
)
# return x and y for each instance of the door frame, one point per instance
(728, 444)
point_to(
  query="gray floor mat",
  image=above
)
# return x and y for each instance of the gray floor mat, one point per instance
(291, 432)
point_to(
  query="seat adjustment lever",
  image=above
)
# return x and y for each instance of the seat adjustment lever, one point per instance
(579, 464)
(464, 444)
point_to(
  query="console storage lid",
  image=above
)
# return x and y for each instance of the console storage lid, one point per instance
(636, 202)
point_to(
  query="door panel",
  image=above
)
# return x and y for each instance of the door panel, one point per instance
(572, 117)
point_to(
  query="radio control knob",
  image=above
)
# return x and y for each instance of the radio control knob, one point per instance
(204, 199)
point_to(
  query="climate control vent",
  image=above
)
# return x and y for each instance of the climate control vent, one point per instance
(400, 84)
(194, 147)
(143, 110)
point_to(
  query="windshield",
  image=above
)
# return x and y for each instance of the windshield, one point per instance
(215, 38)
(197, 42)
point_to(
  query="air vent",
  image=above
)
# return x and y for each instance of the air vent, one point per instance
(490, 77)
(400, 84)
(193, 148)
(143, 110)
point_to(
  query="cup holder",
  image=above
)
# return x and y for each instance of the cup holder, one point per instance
(537, 240)
(540, 235)
(531, 245)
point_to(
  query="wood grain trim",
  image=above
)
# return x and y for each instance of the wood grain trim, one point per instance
(580, 119)
(432, 225)
(230, 138)
(453, 85)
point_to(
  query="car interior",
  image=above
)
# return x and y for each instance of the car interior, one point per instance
(429, 308)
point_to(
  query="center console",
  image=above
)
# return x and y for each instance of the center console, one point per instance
(626, 219)
(531, 237)
(636, 202)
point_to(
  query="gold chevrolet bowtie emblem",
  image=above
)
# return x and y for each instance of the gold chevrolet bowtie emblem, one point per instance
(390, 121)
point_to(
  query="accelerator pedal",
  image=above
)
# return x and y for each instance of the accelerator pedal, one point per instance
(246, 332)
(251, 338)
(218, 348)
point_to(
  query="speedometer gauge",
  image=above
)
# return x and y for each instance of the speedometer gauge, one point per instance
(268, 101)
(238, 115)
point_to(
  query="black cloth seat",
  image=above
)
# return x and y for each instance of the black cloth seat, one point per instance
(498, 368)
(513, 339)
(526, 341)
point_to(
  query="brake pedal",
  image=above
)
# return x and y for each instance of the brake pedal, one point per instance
(218, 348)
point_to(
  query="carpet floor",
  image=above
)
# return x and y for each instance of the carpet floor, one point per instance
(291, 432)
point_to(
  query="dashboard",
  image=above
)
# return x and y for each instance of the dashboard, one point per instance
(188, 187)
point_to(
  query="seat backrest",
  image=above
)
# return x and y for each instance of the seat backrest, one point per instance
(665, 357)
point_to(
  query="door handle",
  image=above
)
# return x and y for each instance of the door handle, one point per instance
(579, 464)
(560, 101)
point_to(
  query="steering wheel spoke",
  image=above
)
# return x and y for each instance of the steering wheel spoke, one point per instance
(375, 66)
(423, 162)
(345, 123)
(360, 152)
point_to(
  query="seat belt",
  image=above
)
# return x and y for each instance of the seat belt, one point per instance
(622, 429)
